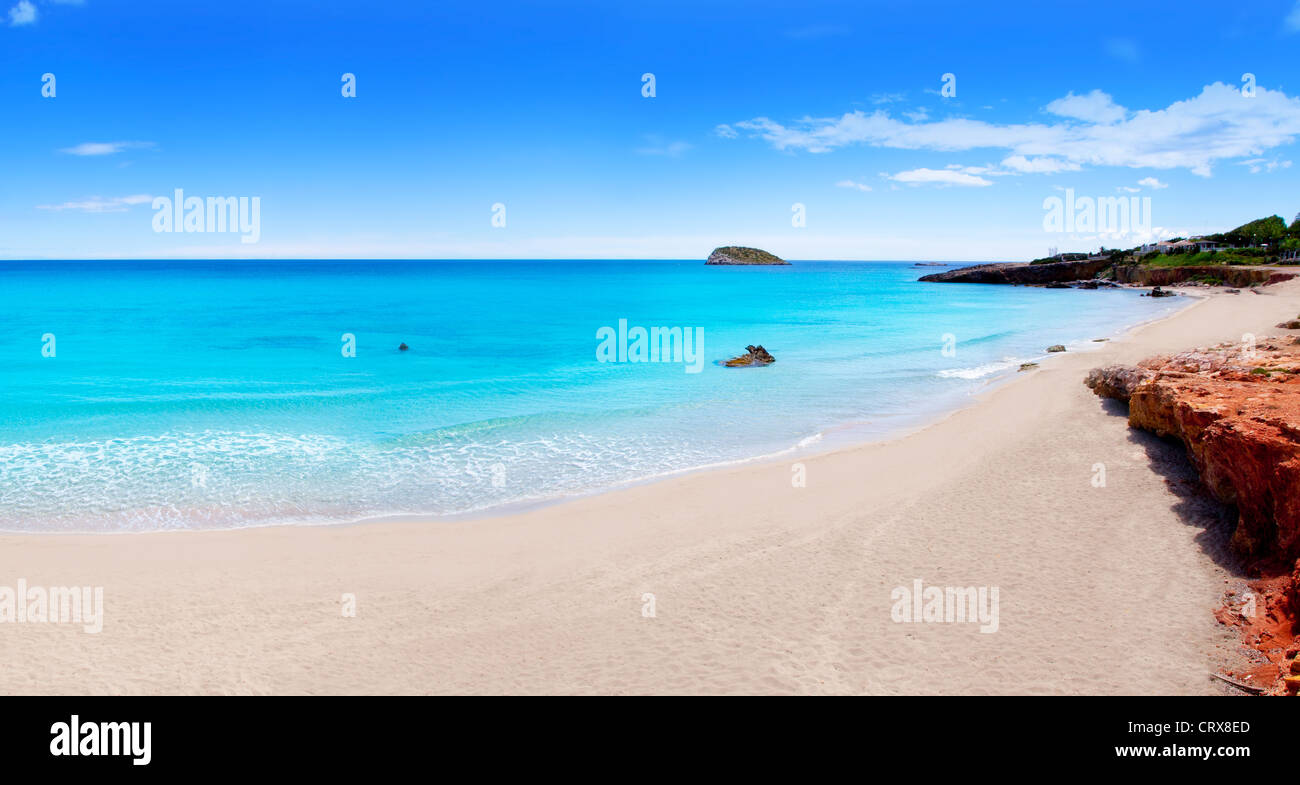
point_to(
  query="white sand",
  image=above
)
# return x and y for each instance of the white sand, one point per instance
(759, 586)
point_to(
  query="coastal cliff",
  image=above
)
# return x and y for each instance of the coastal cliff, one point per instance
(1236, 408)
(1021, 272)
(737, 254)
(1238, 276)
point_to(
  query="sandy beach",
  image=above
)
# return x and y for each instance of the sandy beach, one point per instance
(759, 586)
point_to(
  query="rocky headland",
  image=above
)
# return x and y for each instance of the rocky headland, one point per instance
(738, 254)
(1236, 408)
(1021, 272)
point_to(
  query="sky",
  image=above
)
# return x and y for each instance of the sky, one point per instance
(813, 130)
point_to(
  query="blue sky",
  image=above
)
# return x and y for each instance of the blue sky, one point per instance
(538, 106)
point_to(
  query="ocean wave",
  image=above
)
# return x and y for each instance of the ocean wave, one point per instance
(978, 371)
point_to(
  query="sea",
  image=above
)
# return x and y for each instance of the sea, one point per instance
(162, 395)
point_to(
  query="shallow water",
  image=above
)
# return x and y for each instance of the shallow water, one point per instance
(203, 394)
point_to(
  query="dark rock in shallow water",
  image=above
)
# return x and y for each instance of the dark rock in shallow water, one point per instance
(738, 254)
(1027, 366)
(1055, 348)
(754, 355)
(1158, 292)
(1057, 285)
(403, 348)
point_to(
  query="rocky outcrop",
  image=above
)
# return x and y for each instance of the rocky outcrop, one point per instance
(1235, 276)
(737, 254)
(754, 355)
(1055, 348)
(1021, 273)
(1236, 408)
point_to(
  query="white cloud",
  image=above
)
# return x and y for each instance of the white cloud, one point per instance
(1095, 107)
(939, 177)
(1292, 22)
(851, 184)
(22, 14)
(98, 204)
(103, 148)
(1258, 165)
(1152, 183)
(1041, 165)
(726, 131)
(1194, 134)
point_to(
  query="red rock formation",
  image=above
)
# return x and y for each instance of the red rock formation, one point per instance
(1237, 410)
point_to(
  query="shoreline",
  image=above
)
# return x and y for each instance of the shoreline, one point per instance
(759, 586)
(808, 447)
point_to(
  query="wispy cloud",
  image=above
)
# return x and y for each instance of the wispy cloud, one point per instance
(1292, 21)
(950, 176)
(104, 148)
(1152, 183)
(1194, 134)
(1258, 165)
(655, 145)
(98, 204)
(22, 14)
(853, 185)
(1044, 164)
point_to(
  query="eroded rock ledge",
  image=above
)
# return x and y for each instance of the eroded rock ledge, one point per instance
(1021, 272)
(1237, 410)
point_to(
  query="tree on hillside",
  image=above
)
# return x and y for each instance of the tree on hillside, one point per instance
(1263, 230)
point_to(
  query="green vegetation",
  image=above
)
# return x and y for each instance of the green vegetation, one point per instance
(1234, 257)
(1262, 241)
(743, 255)
(1263, 230)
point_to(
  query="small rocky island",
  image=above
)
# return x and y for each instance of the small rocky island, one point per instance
(754, 355)
(738, 254)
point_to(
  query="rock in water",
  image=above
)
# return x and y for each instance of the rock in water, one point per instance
(403, 348)
(1056, 348)
(736, 254)
(754, 355)
(1158, 292)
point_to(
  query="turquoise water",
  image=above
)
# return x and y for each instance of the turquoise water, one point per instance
(204, 394)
